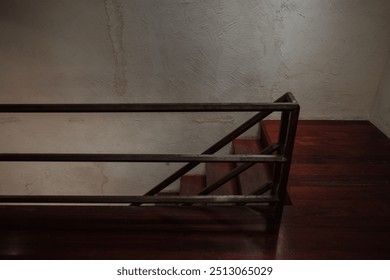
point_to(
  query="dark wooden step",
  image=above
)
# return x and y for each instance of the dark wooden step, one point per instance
(256, 176)
(215, 171)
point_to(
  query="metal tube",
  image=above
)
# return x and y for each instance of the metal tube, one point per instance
(145, 107)
(140, 158)
(135, 199)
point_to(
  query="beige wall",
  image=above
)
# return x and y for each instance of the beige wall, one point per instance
(329, 53)
(380, 112)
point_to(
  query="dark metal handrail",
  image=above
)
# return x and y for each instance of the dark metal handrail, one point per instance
(145, 107)
(137, 199)
(141, 158)
(278, 154)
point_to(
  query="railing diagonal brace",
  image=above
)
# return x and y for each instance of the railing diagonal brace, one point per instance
(264, 188)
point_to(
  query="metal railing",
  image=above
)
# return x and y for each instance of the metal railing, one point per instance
(278, 154)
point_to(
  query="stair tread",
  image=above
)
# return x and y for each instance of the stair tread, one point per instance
(254, 177)
(215, 171)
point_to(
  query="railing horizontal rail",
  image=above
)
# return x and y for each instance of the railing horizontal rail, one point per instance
(145, 107)
(141, 158)
(282, 158)
(135, 199)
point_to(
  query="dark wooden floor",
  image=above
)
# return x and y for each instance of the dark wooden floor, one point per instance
(340, 192)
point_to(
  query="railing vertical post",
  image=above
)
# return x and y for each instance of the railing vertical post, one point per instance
(281, 186)
(277, 168)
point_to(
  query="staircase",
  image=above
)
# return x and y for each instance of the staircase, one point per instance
(256, 173)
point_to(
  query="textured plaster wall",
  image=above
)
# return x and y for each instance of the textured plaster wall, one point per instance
(329, 53)
(380, 113)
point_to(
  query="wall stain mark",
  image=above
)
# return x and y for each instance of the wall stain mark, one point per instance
(75, 120)
(105, 179)
(27, 188)
(227, 119)
(115, 26)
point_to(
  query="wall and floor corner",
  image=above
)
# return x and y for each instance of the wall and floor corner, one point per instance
(380, 112)
(331, 54)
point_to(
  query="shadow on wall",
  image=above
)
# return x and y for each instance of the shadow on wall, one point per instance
(189, 51)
